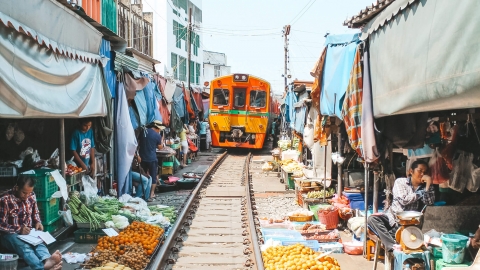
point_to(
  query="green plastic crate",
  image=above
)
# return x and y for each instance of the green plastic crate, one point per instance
(53, 225)
(45, 185)
(87, 236)
(167, 164)
(48, 209)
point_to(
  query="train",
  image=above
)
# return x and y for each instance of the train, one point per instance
(242, 109)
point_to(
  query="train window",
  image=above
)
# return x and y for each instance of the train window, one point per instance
(220, 97)
(258, 98)
(239, 94)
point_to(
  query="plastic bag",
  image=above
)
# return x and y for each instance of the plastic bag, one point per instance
(120, 222)
(74, 257)
(438, 169)
(67, 217)
(462, 171)
(474, 182)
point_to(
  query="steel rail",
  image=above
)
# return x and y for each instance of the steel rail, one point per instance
(253, 229)
(159, 260)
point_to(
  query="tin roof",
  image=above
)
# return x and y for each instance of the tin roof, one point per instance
(366, 14)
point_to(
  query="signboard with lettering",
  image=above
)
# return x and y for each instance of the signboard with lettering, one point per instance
(240, 77)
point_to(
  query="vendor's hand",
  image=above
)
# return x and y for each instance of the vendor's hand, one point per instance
(475, 243)
(428, 180)
(39, 226)
(92, 171)
(24, 230)
(139, 159)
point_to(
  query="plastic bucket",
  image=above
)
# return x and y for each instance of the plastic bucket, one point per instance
(8, 261)
(453, 247)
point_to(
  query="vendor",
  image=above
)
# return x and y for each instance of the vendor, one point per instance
(82, 145)
(409, 194)
(141, 180)
(18, 215)
(150, 140)
(276, 133)
(476, 239)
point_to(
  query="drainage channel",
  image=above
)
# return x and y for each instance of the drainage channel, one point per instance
(215, 230)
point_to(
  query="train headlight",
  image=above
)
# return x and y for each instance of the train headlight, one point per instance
(214, 123)
(253, 136)
(261, 126)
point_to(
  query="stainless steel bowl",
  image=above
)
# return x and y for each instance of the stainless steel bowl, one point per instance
(409, 215)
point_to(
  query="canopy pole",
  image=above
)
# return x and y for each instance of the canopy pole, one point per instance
(325, 171)
(62, 146)
(375, 192)
(367, 167)
(339, 166)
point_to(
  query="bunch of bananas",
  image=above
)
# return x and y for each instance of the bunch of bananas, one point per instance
(319, 194)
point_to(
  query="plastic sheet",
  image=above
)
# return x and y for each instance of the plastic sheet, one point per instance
(474, 182)
(462, 171)
(438, 169)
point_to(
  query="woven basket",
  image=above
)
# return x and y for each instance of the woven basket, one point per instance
(329, 218)
(300, 218)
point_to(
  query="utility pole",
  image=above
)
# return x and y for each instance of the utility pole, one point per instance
(286, 32)
(189, 46)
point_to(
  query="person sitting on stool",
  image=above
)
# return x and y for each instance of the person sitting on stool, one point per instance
(409, 194)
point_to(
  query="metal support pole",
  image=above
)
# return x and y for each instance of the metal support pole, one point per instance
(62, 146)
(325, 171)
(367, 167)
(189, 48)
(339, 166)
(375, 192)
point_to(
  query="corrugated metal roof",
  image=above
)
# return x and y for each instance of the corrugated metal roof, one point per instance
(122, 60)
(366, 14)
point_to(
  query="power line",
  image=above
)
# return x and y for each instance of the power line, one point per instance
(296, 20)
(291, 22)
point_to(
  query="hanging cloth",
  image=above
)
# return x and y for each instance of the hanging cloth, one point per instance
(132, 85)
(104, 125)
(176, 123)
(141, 104)
(317, 73)
(352, 105)
(151, 101)
(188, 103)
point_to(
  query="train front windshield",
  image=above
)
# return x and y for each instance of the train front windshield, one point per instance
(258, 99)
(220, 97)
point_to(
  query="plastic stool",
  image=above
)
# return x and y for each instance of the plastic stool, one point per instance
(378, 245)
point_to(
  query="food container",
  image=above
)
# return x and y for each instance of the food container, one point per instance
(409, 215)
(330, 247)
(328, 217)
(353, 248)
(300, 218)
(8, 261)
(453, 248)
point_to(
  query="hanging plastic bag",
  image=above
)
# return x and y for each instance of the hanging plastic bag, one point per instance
(89, 194)
(462, 171)
(474, 182)
(67, 217)
(438, 169)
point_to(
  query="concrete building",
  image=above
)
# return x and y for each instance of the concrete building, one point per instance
(214, 65)
(170, 21)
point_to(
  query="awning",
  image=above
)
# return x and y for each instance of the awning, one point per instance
(424, 56)
(53, 25)
(49, 62)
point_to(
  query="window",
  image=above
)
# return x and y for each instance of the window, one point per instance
(197, 74)
(178, 30)
(174, 62)
(191, 74)
(258, 98)
(239, 97)
(183, 69)
(216, 71)
(220, 97)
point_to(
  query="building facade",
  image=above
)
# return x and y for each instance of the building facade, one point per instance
(170, 24)
(214, 65)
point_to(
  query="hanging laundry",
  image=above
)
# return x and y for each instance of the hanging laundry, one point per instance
(132, 85)
(141, 104)
(151, 102)
(317, 73)
(352, 105)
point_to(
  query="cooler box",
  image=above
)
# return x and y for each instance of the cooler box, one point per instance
(357, 200)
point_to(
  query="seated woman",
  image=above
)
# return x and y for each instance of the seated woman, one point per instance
(141, 181)
(409, 194)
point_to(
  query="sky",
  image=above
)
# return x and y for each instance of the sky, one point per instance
(249, 32)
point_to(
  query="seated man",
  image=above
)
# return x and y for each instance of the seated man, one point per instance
(409, 194)
(18, 214)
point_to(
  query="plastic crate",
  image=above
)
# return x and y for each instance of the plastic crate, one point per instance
(167, 170)
(87, 236)
(167, 164)
(314, 245)
(334, 247)
(281, 234)
(74, 178)
(8, 171)
(175, 146)
(45, 185)
(48, 209)
(53, 225)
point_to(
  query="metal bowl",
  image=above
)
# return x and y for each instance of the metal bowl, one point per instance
(409, 215)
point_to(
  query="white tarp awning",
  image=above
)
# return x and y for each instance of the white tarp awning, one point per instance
(52, 74)
(424, 56)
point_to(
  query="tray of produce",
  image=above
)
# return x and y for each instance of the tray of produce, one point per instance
(332, 236)
(319, 194)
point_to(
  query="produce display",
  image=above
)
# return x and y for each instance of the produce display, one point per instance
(284, 144)
(168, 212)
(71, 170)
(330, 237)
(133, 257)
(108, 206)
(82, 214)
(112, 266)
(291, 165)
(319, 194)
(296, 257)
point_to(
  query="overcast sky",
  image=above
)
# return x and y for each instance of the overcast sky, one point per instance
(249, 32)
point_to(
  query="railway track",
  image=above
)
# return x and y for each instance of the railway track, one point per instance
(215, 230)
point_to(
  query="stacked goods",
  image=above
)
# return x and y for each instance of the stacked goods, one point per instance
(107, 206)
(319, 194)
(297, 257)
(133, 257)
(291, 165)
(71, 170)
(82, 214)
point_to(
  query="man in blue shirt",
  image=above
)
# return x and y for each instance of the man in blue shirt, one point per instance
(150, 140)
(82, 145)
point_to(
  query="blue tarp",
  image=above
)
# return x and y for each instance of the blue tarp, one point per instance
(141, 107)
(151, 101)
(336, 72)
(300, 119)
(290, 100)
(179, 104)
(108, 69)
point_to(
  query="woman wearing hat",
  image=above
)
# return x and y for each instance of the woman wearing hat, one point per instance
(150, 140)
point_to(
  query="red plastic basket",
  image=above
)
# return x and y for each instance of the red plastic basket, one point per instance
(329, 218)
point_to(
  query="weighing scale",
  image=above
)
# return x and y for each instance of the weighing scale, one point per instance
(409, 235)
